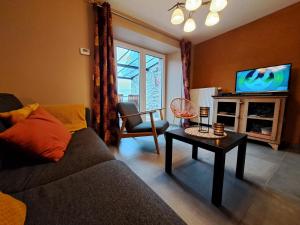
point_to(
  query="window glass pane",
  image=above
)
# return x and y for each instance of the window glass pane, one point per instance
(154, 74)
(128, 75)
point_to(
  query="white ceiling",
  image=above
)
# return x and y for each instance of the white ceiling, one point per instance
(236, 14)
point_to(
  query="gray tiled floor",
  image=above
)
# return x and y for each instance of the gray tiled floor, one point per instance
(270, 193)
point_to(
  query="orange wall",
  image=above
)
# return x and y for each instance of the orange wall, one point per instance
(40, 41)
(39, 55)
(272, 40)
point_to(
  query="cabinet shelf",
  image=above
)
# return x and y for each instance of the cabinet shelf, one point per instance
(229, 128)
(260, 118)
(226, 115)
(259, 135)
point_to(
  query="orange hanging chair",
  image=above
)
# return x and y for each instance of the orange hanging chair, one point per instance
(183, 108)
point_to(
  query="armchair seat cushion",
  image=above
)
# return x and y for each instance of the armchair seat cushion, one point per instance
(161, 126)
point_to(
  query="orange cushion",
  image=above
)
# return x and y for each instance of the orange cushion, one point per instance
(72, 116)
(18, 115)
(12, 211)
(40, 134)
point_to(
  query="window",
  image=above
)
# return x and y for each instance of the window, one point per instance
(140, 77)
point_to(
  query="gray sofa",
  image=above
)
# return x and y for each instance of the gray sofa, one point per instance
(87, 186)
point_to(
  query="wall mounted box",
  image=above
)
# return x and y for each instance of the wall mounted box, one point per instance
(85, 51)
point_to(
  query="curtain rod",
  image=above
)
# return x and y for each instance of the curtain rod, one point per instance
(135, 21)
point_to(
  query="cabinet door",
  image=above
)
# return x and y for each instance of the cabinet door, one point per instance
(259, 118)
(227, 111)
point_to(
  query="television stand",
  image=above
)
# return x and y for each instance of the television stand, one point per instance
(258, 116)
(258, 94)
(230, 94)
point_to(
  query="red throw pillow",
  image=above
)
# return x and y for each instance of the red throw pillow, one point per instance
(40, 134)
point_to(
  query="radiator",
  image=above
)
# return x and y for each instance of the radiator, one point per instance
(203, 97)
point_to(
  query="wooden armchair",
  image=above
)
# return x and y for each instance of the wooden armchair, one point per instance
(135, 127)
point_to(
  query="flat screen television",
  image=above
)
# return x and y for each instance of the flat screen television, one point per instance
(268, 79)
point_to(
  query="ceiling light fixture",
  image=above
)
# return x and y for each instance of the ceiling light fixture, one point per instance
(212, 19)
(189, 25)
(192, 5)
(217, 5)
(178, 17)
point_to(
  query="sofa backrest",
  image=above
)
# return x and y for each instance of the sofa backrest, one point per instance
(88, 117)
(8, 102)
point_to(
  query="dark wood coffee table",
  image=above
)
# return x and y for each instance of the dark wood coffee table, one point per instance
(220, 147)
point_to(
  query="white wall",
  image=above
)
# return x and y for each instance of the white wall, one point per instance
(174, 84)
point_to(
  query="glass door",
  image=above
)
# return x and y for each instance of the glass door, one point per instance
(140, 77)
(128, 75)
(154, 83)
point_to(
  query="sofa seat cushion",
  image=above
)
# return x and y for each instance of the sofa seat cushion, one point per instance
(108, 193)
(85, 149)
(161, 126)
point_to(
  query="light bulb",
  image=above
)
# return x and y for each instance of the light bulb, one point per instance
(212, 19)
(217, 5)
(189, 25)
(192, 5)
(177, 16)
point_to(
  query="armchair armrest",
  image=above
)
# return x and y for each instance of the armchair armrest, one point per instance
(160, 112)
(138, 114)
(160, 109)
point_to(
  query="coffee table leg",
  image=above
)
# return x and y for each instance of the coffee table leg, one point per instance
(240, 165)
(168, 162)
(195, 152)
(216, 197)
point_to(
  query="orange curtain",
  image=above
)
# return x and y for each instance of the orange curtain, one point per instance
(186, 48)
(105, 98)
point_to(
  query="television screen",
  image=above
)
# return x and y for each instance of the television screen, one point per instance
(269, 79)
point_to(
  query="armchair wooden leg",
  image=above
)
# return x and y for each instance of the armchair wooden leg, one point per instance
(156, 143)
(154, 133)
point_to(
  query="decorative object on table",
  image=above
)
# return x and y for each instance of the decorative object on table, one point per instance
(194, 131)
(219, 129)
(203, 114)
(190, 6)
(183, 108)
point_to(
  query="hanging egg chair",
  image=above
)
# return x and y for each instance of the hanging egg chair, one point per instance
(183, 108)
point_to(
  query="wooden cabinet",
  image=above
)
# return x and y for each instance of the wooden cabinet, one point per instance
(261, 117)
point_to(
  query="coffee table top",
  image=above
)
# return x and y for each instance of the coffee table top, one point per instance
(224, 144)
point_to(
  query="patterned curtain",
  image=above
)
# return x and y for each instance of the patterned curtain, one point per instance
(186, 47)
(105, 98)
